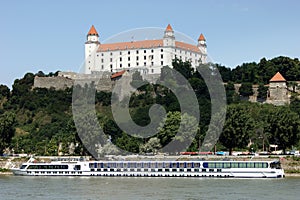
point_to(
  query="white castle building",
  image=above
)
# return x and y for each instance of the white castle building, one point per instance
(147, 56)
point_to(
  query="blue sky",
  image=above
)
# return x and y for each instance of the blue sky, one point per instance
(50, 35)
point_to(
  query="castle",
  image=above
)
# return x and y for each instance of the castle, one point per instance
(146, 56)
(107, 63)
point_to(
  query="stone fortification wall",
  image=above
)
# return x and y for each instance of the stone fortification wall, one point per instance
(57, 82)
(68, 79)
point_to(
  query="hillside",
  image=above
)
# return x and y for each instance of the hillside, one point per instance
(40, 121)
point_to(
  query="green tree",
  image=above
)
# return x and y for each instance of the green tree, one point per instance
(246, 89)
(152, 146)
(184, 68)
(262, 91)
(238, 127)
(4, 91)
(170, 131)
(284, 126)
(7, 130)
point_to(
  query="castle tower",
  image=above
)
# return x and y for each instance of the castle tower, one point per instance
(169, 38)
(278, 92)
(202, 47)
(90, 47)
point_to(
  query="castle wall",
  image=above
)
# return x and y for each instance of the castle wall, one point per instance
(59, 83)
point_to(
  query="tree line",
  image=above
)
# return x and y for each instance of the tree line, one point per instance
(40, 120)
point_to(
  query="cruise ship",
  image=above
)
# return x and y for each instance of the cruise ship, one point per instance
(191, 168)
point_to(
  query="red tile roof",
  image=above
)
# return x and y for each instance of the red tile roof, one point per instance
(130, 45)
(169, 28)
(144, 44)
(277, 78)
(92, 31)
(187, 46)
(115, 75)
(201, 37)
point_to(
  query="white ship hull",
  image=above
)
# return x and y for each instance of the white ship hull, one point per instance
(206, 169)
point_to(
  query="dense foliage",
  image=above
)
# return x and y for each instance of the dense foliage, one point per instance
(40, 120)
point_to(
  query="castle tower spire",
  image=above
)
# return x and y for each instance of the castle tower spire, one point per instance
(93, 35)
(93, 31)
(202, 47)
(169, 38)
(91, 46)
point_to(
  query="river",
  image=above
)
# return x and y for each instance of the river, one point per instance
(25, 188)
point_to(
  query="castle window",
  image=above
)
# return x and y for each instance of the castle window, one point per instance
(152, 70)
(145, 57)
(120, 58)
(97, 55)
(144, 51)
(162, 63)
(121, 65)
(128, 52)
(128, 64)
(111, 66)
(152, 51)
(120, 52)
(163, 50)
(144, 63)
(137, 58)
(137, 64)
(137, 51)
(128, 58)
(110, 59)
(102, 67)
(152, 63)
(111, 53)
(102, 60)
(162, 56)
(102, 54)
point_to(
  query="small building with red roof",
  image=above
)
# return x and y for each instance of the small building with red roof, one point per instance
(278, 93)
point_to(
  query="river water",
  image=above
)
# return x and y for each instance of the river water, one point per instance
(25, 188)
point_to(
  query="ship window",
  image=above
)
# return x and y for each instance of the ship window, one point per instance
(226, 165)
(174, 170)
(211, 170)
(203, 170)
(234, 165)
(242, 165)
(250, 165)
(211, 165)
(23, 166)
(196, 165)
(219, 165)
